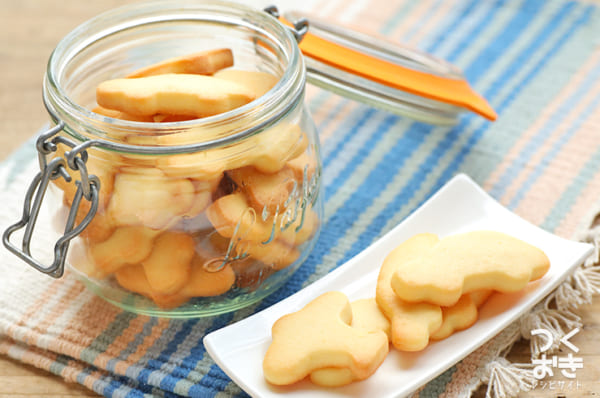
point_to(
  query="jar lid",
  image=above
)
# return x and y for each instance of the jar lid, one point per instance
(374, 71)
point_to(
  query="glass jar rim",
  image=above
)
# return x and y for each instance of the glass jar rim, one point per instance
(272, 106)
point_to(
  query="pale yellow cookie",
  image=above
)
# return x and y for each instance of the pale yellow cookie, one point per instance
(172, 118)
(258, 82)
(168, 267)
(231, 214)
(203, 191)
(264, 240)
(277, 145)
(134, 160)
(303, 167)
(172, 94)
(411, 324)
(268, 151)
(203, 133)
(204, 165)
(479, 297)
(460, 316)
(99, 229)
(320, 336)
(465, 263)
(127, 245)
(168, 301)
(133, 278)
(78, 257)
(121, 115)
(146, 196)
(366, 316)
(204, 283)
(202, 63)
(332, 377)
(299, 230)
(214, 245)
(263, 190)
(276, 254)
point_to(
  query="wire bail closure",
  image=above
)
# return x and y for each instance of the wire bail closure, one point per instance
(300, 26)
(88, 188)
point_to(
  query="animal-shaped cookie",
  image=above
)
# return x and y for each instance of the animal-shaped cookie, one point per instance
(367, 316)
(258, 82)
(121, 115)
(457, 317)
(272, 240)
(202, 63)
(168, 267)
(269, 151)
(171, 118)
(264, 190)
(208, 281)
(172, 94)
(411, 323)
(205, 165)
(203, 191)
(479, 297)
(232, 214)
(278, 144)
(467, 262)
(320, 336)
(461, 315)
(126, 245)
(99, 229)
(275, 254)
(147, 196)
(133, 278)
(303, 167)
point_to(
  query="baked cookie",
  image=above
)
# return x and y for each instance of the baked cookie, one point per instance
(172, 94)
(320, 336)
(411, 323)
(463, 263)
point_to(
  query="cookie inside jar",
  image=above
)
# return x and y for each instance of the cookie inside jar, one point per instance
(209, 183)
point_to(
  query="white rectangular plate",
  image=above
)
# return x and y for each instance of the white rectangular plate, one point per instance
(459, 206)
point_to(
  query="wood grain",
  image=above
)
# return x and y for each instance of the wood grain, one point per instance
(17, 379)
(29, 31)
(587, 381)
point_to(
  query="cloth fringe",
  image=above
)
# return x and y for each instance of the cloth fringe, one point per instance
(506, 379)
(557, 322)
(592, 235)
(556, 315)
(579, 288)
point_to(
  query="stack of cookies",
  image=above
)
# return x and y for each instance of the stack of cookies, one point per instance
(427, 289)
(174, 227)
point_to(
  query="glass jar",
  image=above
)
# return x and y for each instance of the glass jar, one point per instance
(176, 217)
(192, 218)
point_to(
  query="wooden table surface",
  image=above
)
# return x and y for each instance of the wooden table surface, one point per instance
(29, 30)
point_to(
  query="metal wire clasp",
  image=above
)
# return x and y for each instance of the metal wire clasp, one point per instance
(88, 188)
(300, 26)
